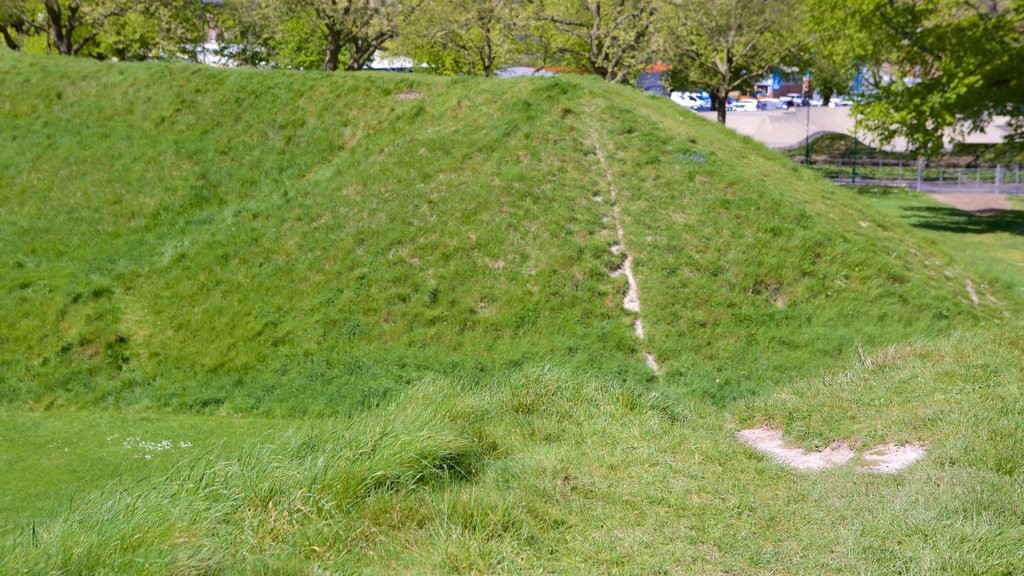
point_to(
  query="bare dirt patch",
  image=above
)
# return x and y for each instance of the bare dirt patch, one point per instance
(890, 458)
(651, 362)
(884, 459)
(971, 292)
(631, 301)
(770, 442)
(977, 204)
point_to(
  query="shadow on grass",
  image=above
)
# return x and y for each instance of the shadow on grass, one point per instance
(949, 219)
(882, 191)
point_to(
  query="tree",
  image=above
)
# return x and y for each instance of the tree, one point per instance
(73, 25)
(610, 37)
(15, 22)
(355, 28)
(121, 29)
(831, 73)
(937, 68)
(165, 29)
(725, 45)
(470, 37)
(344, 33)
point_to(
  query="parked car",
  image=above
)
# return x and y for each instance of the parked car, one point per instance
(839, 103)
(690, 100)
(742, 106)
(770, 104)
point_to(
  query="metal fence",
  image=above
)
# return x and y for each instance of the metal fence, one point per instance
(923, 176)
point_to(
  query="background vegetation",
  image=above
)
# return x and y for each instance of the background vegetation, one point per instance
(930, 72)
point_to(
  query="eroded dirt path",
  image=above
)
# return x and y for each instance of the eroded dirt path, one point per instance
(631, 301)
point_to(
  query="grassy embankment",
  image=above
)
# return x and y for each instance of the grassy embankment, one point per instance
(408, 278)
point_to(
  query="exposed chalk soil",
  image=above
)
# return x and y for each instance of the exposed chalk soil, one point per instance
(891, 458)
(971, 292)
(631, 301)
(884, 459)
(769, 441)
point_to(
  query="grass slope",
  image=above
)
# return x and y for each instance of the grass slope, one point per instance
(237, 241)
(395, 293)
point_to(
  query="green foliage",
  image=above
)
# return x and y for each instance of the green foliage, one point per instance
(611, 39)
(942, 68)
(15, 23)
(990, 245)
(464, 36)
(58, 457)
(206, 208)
(265, 34)
(547, 472)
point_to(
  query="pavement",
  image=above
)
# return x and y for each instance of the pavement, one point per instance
(784, 129)
(979, 204)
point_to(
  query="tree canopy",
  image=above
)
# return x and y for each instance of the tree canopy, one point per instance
(610, 38)
(472, 37)
(937, 69)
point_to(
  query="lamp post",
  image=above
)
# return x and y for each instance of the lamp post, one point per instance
(201, 47)
(807, 104)
(853, 173)
(857, 86)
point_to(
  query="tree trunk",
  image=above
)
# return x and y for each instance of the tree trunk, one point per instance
(333, 50)
(9, 40)
(61, 28)
(487, 57)
(826, 94)
(62, 42)
(361, 56)
(363, 50)
(723, 102)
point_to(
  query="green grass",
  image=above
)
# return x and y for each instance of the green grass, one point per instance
(52, 459)
(992, 246)
(388, 328)
(551, 473)
(231, 241)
